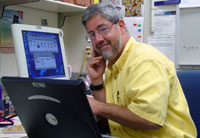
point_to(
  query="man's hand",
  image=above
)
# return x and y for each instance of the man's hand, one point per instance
(93, 104)
(96, 68)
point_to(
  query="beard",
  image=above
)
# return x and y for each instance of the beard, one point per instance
(115, 50)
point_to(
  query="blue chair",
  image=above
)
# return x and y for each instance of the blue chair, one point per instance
(190, 82)
(1, 101)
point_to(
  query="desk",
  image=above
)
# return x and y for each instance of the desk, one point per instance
(13, 136)
(22, 134)
(15, 131)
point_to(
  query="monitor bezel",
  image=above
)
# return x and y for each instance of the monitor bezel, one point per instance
(20, 50)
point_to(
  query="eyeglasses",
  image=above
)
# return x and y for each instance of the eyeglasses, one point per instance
(102, 30)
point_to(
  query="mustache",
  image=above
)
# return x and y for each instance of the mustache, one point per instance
(102, 43)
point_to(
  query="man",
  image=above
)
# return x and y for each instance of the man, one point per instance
(141, 96)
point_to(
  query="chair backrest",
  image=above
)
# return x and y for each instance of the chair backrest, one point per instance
(190, 82)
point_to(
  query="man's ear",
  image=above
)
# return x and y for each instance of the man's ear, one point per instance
(122, 25)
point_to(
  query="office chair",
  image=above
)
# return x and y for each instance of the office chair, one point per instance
(1, 100)
(190, 82)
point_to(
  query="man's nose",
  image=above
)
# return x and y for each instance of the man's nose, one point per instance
(98, 37)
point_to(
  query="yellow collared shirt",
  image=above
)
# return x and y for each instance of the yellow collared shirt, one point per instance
(145, 81)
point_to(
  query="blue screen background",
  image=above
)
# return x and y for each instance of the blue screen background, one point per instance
(55, 68)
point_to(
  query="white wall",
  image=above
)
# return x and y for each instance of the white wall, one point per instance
(75, 41)
(147, 19)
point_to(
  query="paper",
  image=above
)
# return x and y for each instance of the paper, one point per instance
(9, 17)
(164, 22)
(189, 3)
(165, 44)
(114, 2)
(188, 48)
(135, 26)
(14, 131)
(165, 2)
(133, 7)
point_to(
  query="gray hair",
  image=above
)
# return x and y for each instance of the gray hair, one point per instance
(106, 10)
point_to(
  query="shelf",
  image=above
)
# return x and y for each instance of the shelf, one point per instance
(55, 6)
(4, 3)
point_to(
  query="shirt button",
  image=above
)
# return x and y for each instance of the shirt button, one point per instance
(114, 129)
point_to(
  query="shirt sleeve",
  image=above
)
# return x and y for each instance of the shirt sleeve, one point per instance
(148, 89)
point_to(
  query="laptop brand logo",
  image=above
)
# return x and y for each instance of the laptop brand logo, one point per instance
(51, 119)
(39, 85)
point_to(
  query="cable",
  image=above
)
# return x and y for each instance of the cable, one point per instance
(85, 58)
(63, 22)
(87, 53)
(10, 122)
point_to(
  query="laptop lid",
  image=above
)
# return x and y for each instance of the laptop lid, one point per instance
(52, 108)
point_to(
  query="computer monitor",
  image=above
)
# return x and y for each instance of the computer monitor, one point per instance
(40, 51)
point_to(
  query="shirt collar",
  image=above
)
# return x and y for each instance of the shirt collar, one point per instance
(116, 67)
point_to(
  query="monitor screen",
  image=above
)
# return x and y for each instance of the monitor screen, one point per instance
(43, 54)
(40, 51)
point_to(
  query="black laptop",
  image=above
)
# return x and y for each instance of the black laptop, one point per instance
(51, 108)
